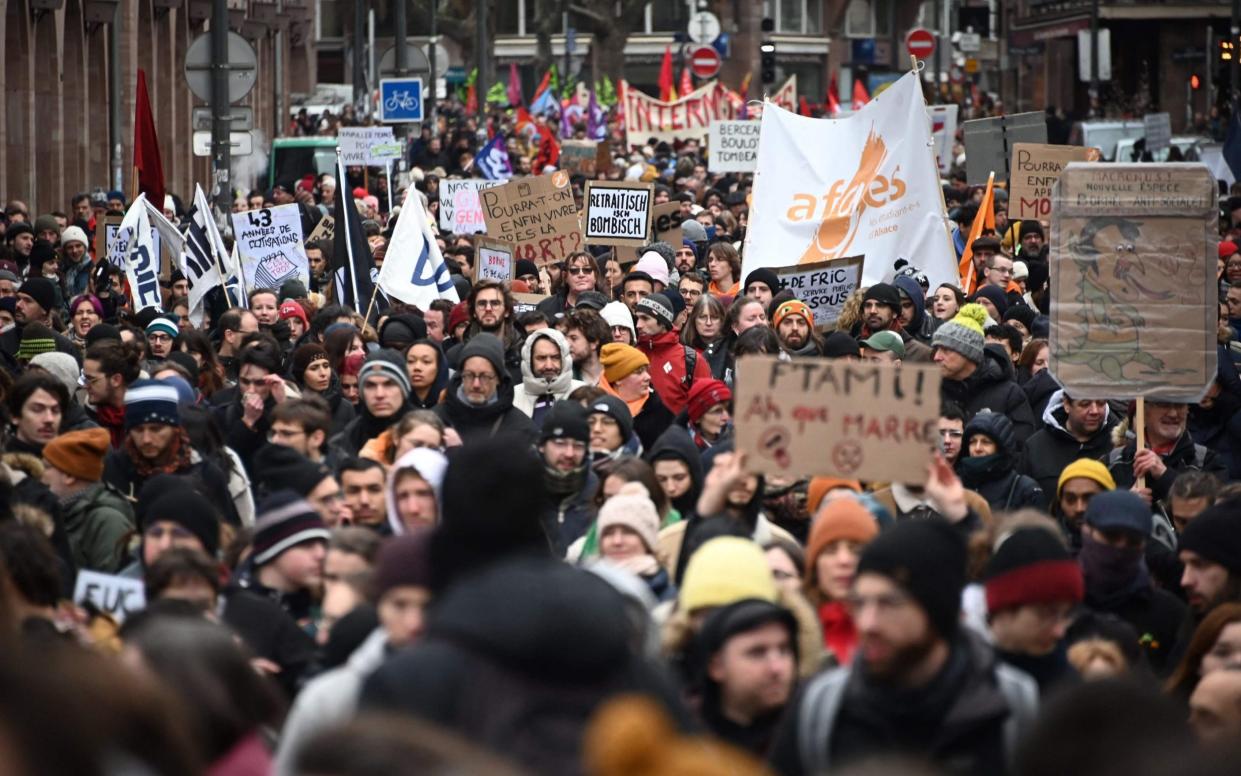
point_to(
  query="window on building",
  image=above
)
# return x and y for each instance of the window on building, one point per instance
(508, 17)
(798, 16)
(668, 16)
(868, 19)
(331, 19)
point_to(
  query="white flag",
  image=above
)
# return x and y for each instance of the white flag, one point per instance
(200, 261)
(141, 260)
(862, 186)
(169, 236)
(414, 270)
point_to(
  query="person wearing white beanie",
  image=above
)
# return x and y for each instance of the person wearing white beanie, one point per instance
(76, 260)
(628, 528)
(620, 322)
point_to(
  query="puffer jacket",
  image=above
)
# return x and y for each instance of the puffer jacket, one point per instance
(991, 387)
(994, 476)
(1052, 448)
(97, 520)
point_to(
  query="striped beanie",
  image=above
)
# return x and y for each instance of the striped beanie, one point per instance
(388, 363)
(1031, 566)
(963, 334)
(285, 520)
(36, 339)
(151, 401)
(163, 325)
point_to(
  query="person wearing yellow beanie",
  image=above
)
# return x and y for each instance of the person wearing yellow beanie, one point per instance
(620, 360)
(626, 375)
(724, 570)
(1079, 482)
(841, 529)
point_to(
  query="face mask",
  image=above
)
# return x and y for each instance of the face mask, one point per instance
(710, 230)
(1108, 569)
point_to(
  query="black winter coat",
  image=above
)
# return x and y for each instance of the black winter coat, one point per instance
(991, 387)
(1185, 456)
(1050, 450)
(653, 420)
(491, 420)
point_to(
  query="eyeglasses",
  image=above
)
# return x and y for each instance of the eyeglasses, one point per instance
(580, 271)
(950, 433)
(1002, 270)
(158, 338)
(477, 377)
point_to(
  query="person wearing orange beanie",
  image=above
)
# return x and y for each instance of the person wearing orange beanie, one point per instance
(841, 530)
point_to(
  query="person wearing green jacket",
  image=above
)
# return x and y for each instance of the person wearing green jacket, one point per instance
(97, 517)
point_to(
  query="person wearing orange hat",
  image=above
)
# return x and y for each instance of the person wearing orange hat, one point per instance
(794, 324)
(709, 411)
(627, 371)
(820, 488)
(97, 517)
(841, 529)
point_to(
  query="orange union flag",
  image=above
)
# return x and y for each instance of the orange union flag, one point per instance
(867, 185)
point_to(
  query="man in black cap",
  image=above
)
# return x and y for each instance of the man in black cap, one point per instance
(921, 685)
(762, 284)
(1210, 548)
(36, 299)
(840, 346)
(479, 400)
(1031, 238)
(564, 444)
(399, 331)
(881, 311)
(528, 272)
(383, 391)
(611, 432)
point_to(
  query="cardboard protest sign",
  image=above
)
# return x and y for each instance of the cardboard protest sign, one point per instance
(666, 224)
(1158, 128)
(538, 214)
(816, 416)
(1134, 297)
(617, 212)
(324, 230)
(524, 303)
(989, 143)
(270, 244)
(367, 146)
(733, 146)
(1035, 169)
(823, 286)
(460, 210)
(117, 596)
(687, 118)
(580, 157)
(493, 259)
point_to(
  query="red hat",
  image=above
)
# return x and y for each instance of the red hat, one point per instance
(307, 183)
(359, 193)
(291, 309)
(704, 395)
(460, 314)
(1227, 248)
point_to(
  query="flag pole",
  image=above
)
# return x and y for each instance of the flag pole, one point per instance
(353, 275)
(374, 292)
(388, 180)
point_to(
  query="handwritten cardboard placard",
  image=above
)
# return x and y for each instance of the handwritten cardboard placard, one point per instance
(733, 146)
(823, 286)
(493, 259)
(666, 224)
(367, 146)
(524, 303)
(460, 210)
(118, 596)
(580, 157)
(324, 230)
(269, 242)
(816, 416)
(617, 212)
(538, 214)
(1134, 296)
(1035, 169)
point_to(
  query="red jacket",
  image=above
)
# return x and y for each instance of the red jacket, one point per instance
(668, 357)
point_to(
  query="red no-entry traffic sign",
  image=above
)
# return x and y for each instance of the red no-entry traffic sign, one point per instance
(704, 61)
(920, 42)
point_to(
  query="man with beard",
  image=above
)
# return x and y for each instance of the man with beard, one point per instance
(686, 258)
(37, 403)
(564, 444)
(881, 311)
(1072, 429)
(546, 374)
(794, 322)
(1076, 487)
(587, 333)
(478, 402)
(1210, 548)
(1169, 452)
(491, 312)
(921, 686)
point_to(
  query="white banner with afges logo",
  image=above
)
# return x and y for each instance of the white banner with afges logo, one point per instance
(866, 185)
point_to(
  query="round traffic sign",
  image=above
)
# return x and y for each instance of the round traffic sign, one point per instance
(704, 62)
(703, 27)
(920, 42)
(242, 67)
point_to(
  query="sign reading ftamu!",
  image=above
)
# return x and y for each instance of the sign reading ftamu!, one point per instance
(818, 416)
(687, 118)
(618, 213)
(866, 185)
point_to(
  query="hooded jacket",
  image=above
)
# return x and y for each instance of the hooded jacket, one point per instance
(994, 476)
(991, 387)
(96, 521)
(668, 363)
(440, 382)
(922, 326)
(491, 419)
(676, 444)
(533, 387)
(1040, 391)
(1052, 448)
(342, 411)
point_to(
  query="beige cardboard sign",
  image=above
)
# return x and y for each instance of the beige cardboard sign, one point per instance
(324, 230)
(666, 224)
(1134, 300)
(816, 416)
(538, 214)
(617, 212)
(493, 259)
(1034, 170)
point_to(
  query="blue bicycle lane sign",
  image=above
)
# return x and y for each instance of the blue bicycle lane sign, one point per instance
(400, 100)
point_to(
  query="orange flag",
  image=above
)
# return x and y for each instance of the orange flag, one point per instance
(667, 89)
(985, 219)
(687, 83)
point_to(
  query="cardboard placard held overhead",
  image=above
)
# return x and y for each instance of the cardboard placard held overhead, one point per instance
(580, 157)
(460, 210)
(538, 214)
(1134, 297)
(989, 143)
(269, 242)
(817, 416)
(823, 286)
(617, 212)
(493, 259)
(324, 230)
(524, 303)
(666, 224)
(732, 146)
(1035, 169)
(118, 596)
(1158, 128)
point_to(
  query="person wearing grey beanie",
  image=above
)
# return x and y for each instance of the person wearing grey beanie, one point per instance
(383, 398)
(478, 402)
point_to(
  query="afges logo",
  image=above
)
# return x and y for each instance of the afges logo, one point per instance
(844, 204)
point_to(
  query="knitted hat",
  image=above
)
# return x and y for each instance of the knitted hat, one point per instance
(843, 518)
(21, 227)
(403, 561)
(1215, 534)
(292, 289)
(819, 487)
(482, 345)
(285, 520)
(73, 234)
(884, 294)
(79, 453)
(400, 330)
(1020, 313)
(839, 344)
(995, 295)
(1227, 248)
(963, 334)
(704, 395)
(186, 360)
(36, 339)
(566, 420)
(386, 363)
(1029, 226)
(654, 265)
(526, 267)
(100, 332)
(291, 309)
(151, 401)
(692, 231)
(617, 410)
(62, 366)
(459, 315)
(304, 356)
(728, 569)
(1120, 510)
(41, 290)
(617, 314)
(675, 299)
(590, 300)
(48, 222)
(188, 509)
(927, 559)
(885, 342)
(631, 507)
(1021, 270)
(762, 275)
(620, 360)
(164, 326)
(279, 467)
(1032, 566)
(793, 307)
(1088, 468)
(658, 307)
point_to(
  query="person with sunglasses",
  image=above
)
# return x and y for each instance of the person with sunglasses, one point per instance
(581, 274)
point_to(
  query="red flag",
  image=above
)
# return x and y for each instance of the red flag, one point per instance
(687, 83)
(546, 82)
(149, 168)
(667, 91)
(833, 100)
(514, 85)
(471, 99)
(803, 107)
(860, 97)
(549, 153)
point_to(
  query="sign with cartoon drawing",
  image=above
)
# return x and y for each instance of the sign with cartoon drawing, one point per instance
(270, 244)
(1134, 297)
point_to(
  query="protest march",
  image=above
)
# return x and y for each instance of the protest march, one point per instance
(631, 435)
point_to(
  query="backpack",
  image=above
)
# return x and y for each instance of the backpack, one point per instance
(691, 362)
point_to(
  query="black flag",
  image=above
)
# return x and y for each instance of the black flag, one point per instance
(352, 264)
